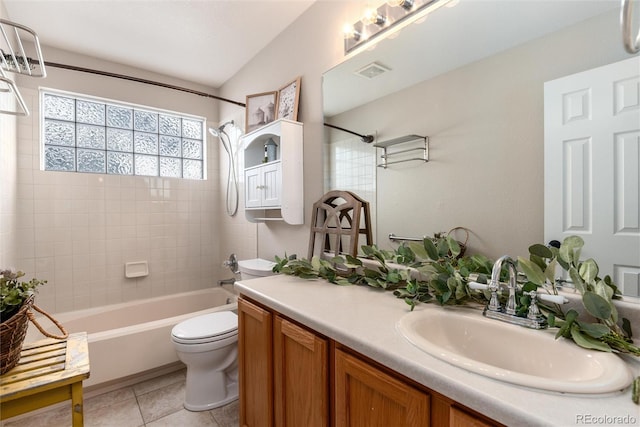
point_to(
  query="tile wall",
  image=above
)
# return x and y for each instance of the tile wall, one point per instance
(8, 180)
(352, 167)
(78, 230)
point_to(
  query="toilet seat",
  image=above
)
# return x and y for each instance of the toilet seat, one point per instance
(207, 328)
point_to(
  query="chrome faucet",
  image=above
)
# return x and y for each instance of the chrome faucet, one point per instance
(511, 307)
(508, 314)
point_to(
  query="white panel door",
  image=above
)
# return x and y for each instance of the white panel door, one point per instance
(591, 166)
(253, 188)
(271, 190)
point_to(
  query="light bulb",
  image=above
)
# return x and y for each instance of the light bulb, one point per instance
(350, 32)
(405, 4)
(371, 16)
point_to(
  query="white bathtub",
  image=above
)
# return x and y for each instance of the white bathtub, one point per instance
(133, 337)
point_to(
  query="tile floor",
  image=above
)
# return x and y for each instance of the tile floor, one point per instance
(153, 403)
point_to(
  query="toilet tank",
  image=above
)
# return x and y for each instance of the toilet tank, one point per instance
(254, 268)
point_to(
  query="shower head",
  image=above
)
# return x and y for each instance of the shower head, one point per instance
(220, 130)
(224, 125)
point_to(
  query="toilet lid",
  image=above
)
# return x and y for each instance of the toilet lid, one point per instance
(220, 323)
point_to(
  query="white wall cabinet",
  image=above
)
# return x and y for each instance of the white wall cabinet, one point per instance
(263, 185)
(274, 188)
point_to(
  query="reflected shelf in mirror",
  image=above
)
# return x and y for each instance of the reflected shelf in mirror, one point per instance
(385, 145)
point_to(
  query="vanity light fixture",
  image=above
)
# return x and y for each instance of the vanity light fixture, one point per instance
(386, 20)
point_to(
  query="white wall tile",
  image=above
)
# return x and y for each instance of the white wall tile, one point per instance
(79, 229)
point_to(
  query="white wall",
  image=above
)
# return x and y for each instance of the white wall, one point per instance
(307, 48)
(77, 230)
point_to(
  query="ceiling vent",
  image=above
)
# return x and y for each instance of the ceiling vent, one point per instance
(372, 70)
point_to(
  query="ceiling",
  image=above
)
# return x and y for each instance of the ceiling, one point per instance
(203, 41)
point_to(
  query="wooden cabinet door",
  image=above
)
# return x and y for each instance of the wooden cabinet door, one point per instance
(300, 375)
(460, 418)
(368, 397)
(255, 359)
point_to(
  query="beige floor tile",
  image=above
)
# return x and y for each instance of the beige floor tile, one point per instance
(110, 398)
(160, 405)
(120, 414)
(185, 418)
(228, 415)
(160, 382)
(161, 402)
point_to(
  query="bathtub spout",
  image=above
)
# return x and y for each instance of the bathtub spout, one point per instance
(230, 281)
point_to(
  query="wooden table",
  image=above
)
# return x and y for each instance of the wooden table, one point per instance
(49, 371)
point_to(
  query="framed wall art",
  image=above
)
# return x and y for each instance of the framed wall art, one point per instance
(288, 97)
(260, 110)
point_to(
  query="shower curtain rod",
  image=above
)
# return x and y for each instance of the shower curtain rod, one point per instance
(139, 80)
(364, 138)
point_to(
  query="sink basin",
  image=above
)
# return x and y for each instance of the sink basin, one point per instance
(512, 353)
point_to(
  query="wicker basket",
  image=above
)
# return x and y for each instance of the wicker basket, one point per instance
(14, 331)
(452, 233)
(463, 245)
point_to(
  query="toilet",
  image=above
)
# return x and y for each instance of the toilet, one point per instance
(254, 268)
(208, 346)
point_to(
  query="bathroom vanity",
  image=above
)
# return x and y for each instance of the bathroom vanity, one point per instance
(313, 353)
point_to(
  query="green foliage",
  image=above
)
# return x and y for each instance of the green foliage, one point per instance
(13, 292)
(597, 297)
(434, 271)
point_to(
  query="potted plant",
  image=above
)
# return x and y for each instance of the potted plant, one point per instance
(14, 293)
(16, 298)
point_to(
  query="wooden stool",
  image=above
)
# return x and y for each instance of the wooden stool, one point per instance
(335, 223)
(49, 371)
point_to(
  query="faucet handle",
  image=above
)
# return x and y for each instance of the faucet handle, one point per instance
(483, 286)
(534, 311)
(556, 299)
(494, 303)
(232, 264)
(478, 286)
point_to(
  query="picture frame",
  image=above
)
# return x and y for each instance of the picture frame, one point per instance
(260, 110)
(288, 99)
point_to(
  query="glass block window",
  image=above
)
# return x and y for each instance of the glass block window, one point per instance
(82, 134)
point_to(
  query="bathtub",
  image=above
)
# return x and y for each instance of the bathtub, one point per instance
(133, 337)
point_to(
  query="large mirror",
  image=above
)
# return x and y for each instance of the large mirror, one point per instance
(470, 78)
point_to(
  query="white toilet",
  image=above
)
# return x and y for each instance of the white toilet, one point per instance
(254, 268)
(208, 345)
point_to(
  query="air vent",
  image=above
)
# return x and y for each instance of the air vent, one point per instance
(372, 70)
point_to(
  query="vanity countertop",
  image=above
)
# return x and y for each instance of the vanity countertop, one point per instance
(364, 319)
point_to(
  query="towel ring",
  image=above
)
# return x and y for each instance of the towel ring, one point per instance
(632, 46)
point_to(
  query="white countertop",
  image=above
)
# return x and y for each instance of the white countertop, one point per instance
(364, 319)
